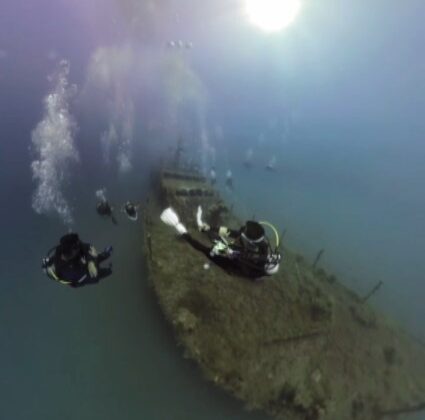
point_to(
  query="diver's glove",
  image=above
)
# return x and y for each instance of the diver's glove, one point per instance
(202, 226)
(45, 262)
(92, 251)
(108, 250)
(92, 269)
(223, 249)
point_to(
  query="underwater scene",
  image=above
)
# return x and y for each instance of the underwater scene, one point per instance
(212, 209)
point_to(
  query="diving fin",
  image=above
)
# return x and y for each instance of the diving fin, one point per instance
(202, 226)
(170, 218)
(199, 218)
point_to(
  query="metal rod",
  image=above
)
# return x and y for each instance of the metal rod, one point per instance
(318, 256)
(372, 292)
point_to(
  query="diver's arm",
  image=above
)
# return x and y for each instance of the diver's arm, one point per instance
(87, 280)
(51, 272)
(225, 232)
(48, 265)
(221, 231)
(267, 258)
(92, 269)
(88, 253)
(92, 252)
(75, 285)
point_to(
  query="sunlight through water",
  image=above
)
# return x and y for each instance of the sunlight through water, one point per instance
(272, 15)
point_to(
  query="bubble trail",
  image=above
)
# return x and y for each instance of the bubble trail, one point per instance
(53, 141)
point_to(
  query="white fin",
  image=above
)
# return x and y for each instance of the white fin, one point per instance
(199, 218)
(169, 217)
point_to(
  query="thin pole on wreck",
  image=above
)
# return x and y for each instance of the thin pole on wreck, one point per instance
(372, 292)
(318, 256)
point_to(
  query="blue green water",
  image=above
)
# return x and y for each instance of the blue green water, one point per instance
(338, 99)
(98, 352)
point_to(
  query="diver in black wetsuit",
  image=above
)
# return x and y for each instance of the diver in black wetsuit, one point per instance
(103, 208)
(76, 263)
(245, 251)
(130, 209)
(213, 176)
(229, 180)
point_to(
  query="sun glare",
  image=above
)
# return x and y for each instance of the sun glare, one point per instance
(272, 15)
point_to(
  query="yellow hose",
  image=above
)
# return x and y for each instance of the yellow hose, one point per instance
(274, 230)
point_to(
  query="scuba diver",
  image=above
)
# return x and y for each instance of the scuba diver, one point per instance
(248, 158)
(130, 209)
(213, 176)
(271, 166)
(103, 207)
(246, 251)
(75, 263)
(229, 180)
(177, 161)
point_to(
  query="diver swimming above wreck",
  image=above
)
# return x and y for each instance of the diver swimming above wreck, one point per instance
(245, 252)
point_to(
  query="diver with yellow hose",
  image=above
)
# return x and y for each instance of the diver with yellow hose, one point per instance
(246, 251)
(75, 263)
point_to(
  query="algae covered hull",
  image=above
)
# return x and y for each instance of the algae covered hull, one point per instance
(298, 345)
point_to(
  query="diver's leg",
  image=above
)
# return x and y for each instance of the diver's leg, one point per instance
(103, 272)
(223, 262)
(87, 281)
(197, 245)
(102, 257)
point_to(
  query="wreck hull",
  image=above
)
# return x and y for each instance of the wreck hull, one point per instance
(298, 345)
